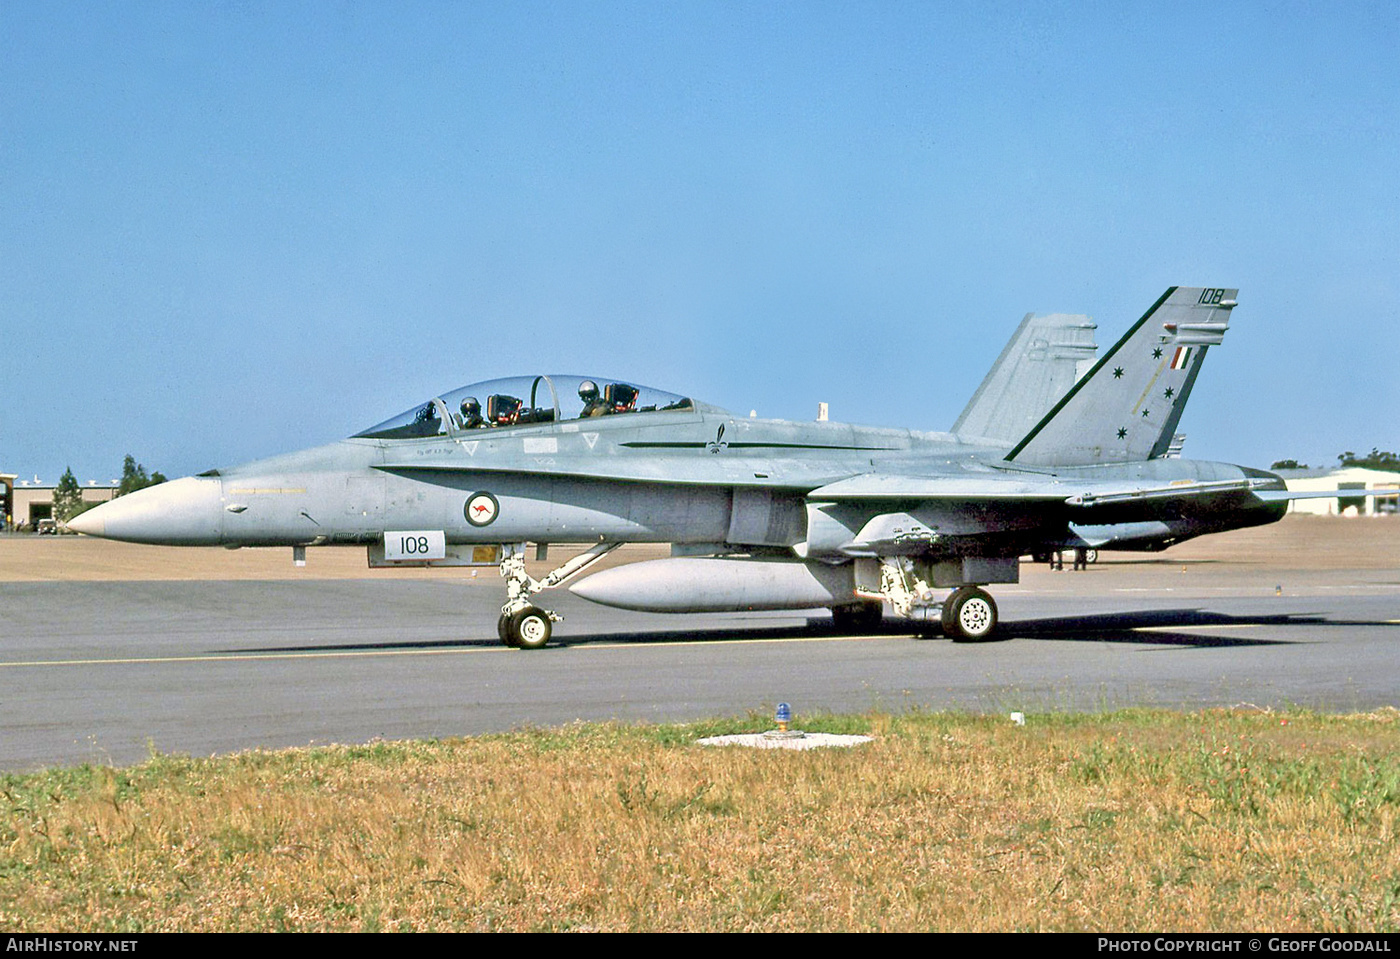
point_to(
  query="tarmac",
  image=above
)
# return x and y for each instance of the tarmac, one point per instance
(109, 651)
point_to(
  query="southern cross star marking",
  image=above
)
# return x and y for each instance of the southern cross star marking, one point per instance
(1122, 432)
(1168, 392)
(1118, 372)
(1157, 353)
(1144, 413)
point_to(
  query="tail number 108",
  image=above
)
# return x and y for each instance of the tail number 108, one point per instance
(401, 545)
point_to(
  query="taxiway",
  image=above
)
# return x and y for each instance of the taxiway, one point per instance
(103, 668)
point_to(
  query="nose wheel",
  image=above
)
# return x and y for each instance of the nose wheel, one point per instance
(528, 628)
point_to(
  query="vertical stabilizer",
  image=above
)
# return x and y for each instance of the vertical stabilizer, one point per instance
(1040, 363)
(1126, 409)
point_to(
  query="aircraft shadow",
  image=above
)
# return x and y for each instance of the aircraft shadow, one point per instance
(815, 628)
(466, 643)
(1170, 628)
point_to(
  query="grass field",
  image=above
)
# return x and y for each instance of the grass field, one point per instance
(1136, 820)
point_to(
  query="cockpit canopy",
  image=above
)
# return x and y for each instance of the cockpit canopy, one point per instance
(523, 400)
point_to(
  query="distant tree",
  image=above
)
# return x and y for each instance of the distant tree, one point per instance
(134, 477)
(1376, 460)
(1289, 465)
(67, 497)
(82, 507)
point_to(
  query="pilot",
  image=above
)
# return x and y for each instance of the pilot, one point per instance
(620, 398)
(471, 417)
(593, 405)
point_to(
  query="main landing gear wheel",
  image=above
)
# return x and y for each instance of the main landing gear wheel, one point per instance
(857, 617)
(969, 614)
(529, 628)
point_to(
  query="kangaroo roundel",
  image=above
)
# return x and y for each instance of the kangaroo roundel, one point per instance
(481, 509)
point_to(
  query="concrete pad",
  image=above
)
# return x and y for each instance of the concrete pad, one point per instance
(802, 741)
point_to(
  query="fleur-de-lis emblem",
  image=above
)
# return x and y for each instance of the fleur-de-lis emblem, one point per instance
(717, 443)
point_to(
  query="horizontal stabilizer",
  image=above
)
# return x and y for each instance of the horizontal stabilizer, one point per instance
(1170, 492)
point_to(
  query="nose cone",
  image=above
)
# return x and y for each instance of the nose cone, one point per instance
(185, 512)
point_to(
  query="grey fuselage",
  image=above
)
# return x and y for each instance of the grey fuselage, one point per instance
(700, 478)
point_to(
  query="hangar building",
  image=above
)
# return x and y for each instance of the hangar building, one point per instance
(23, 503)
(1348, 479)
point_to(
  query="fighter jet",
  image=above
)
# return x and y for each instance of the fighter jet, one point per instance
(760, 513)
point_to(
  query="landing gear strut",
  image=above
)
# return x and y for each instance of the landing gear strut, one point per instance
(969, 614)
(524, 625)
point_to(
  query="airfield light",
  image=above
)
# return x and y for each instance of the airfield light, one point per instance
(783, 716)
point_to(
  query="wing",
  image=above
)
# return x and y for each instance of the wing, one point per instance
(892, 515)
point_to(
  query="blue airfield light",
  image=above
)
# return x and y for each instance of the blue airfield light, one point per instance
(783, 716)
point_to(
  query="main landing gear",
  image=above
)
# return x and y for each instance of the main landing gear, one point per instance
(524, 625)
(968, 614)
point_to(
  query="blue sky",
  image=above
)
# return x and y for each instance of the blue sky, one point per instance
(229, 230)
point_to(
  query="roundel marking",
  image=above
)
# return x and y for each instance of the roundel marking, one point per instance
(481, 509)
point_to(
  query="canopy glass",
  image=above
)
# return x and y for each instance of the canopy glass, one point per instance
(524, 400)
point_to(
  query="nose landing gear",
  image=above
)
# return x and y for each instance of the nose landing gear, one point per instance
(522, 624)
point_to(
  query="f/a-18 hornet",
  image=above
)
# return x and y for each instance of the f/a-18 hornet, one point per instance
(761, 514)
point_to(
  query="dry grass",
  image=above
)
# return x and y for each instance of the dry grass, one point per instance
(1137, 820)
